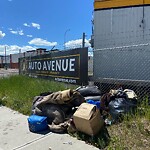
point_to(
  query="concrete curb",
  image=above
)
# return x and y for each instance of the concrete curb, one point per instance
(15, 135)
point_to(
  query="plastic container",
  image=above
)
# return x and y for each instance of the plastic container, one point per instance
(97, 103)
(37, 123)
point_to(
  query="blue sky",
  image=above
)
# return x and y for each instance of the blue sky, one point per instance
(31, 24)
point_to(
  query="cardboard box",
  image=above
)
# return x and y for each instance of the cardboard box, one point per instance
(87, 119)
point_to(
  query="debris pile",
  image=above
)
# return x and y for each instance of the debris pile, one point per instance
(84, 109)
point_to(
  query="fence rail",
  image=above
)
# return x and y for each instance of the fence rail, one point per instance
(126, 66)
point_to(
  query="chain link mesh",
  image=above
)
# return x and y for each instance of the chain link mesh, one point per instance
(127, 66)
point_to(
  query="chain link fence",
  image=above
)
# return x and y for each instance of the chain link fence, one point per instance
(126, 66)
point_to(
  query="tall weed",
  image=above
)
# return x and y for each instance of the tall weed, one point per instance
(17, 92)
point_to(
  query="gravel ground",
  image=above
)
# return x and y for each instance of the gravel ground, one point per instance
(4, 72)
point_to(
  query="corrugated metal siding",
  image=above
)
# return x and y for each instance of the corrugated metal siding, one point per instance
(122, 43)
(117, 27)
(102, 28)
(147, 24)
(131, 63)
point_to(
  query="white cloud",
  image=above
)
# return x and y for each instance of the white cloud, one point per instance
(27, 48)
(26, 25)
(76, 43)
(2, 34)
(13, 49)
(35, 25)
(14, 32)
(42, 42)
(29, 35)
(18, 32)
(87, 43)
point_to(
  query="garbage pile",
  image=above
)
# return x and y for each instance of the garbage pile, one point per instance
(84, 109)
(58, 107)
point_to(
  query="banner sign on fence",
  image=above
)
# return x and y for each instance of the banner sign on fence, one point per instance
(69, 66)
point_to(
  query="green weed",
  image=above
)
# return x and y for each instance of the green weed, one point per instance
(17, 92)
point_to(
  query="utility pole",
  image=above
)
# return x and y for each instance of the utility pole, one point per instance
(83, 40)
(5, 59)
(19, 53)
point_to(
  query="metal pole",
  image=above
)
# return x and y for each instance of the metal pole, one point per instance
(65, 38)
(5, 59)
(19, 51)
(83, 41)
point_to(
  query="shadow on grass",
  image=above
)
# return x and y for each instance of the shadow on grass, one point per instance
(101, 140)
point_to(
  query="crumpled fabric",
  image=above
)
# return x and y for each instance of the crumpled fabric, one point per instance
(60, 97)
(59, 128)
(57, 107)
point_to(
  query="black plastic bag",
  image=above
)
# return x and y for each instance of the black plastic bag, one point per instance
(94, 98)
(120, 106)
(89, 91)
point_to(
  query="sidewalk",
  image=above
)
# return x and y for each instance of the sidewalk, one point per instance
(15, 135)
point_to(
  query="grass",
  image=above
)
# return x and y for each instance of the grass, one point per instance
(132, 133)
(17, 92)
(101, 140)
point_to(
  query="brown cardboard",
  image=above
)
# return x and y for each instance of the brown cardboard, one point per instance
(87, 119)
